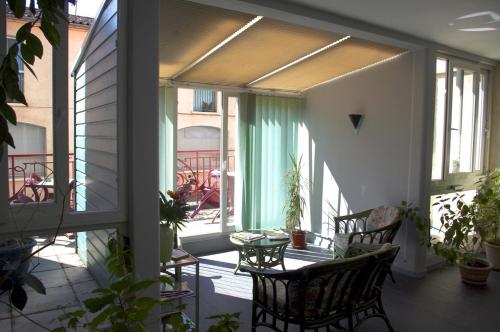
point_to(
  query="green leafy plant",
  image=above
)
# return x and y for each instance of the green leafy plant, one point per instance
(117, 307)
(174, 210)
(459, 225)
(487, 206)
(225, 323)
(412, 214)
(295, 203)
(27, 47)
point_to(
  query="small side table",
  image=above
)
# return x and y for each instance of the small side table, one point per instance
(261, 254)
(179, 285)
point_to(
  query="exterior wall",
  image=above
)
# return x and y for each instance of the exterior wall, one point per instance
(38, 92)
(381, 164)
(186, 117)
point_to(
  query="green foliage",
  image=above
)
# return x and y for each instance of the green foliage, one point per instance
(117, 306)
(294, 203)
(412, 213)
(173, 210)
(225, 323)
(461, 240)
(487, 205)
(466, 225)
(28, 47)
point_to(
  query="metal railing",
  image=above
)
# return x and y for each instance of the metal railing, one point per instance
(193, 166)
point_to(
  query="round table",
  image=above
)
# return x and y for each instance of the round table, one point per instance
(261, 254)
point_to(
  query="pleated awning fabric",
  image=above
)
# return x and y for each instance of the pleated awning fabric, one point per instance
(190, 31)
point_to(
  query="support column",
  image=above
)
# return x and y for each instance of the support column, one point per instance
(141, 33)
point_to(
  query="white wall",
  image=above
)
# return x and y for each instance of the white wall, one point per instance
(382, 163)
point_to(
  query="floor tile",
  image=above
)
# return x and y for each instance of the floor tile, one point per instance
(52, 278)
(48, 319)
(5, 325)
(70, 260)
(77, 274)
(56, 298)
(84, 290)
(40, 264)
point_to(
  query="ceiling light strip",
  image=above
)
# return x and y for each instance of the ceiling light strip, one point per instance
(305, 57)
(355, 71)
(220, 45)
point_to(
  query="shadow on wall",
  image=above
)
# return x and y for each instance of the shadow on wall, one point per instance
(348, 171)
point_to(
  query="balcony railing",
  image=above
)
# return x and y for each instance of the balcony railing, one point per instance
(194, 166)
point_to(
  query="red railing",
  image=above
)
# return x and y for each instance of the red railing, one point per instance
(23, 166)
(192, 166)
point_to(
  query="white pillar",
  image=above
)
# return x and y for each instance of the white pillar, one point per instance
(142, 139)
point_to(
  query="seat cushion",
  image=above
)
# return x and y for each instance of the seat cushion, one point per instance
(381, 217)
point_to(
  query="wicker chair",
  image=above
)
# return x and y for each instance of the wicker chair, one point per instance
(374, 226)
(323, 294)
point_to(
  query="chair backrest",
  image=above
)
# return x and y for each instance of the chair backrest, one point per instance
(382, 216)
(314, 292)
(373, 276)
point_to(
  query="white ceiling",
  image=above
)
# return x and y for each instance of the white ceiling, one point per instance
(468, 25)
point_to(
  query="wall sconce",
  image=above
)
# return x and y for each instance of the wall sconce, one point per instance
(356, 121)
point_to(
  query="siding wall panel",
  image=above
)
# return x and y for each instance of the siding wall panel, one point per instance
(96, 133)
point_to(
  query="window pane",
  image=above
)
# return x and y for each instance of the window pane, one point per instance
(439, 119)
(480, 132)
(462, 121)
(204, 101)
(31, 164)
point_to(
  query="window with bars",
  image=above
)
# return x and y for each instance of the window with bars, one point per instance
(20, 65)
(204, 101)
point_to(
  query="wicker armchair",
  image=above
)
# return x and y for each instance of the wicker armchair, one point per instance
(323, 294)
(374, 226)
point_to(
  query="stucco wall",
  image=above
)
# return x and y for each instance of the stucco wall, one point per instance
(38, 91)
(379, 165)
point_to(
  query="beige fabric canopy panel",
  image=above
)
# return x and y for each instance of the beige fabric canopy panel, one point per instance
(210, 45)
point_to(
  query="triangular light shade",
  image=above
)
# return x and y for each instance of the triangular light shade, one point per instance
(355, 119)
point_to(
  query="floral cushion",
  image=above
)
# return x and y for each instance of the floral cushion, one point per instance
(341, 242)
(381, 217)
(316, 287)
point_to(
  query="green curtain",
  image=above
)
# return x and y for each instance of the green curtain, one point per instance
(167, 122)
(267, 135)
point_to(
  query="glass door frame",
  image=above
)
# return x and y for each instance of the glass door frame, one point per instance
(223, 156)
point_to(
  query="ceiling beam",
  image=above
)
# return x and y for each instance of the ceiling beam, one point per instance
(220, 45)
(305, 57)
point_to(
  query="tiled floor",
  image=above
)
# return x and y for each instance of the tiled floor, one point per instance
(67, 283)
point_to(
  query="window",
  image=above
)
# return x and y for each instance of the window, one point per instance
(20, 65)
(204, 101)
(460, 131)
(460, 121)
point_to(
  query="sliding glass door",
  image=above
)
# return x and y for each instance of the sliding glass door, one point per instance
(205, 158)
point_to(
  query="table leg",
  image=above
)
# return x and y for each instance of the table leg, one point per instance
(239, 261)
(197, 317)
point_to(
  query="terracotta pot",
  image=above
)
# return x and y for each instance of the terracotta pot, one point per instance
(493, 255)
(476, 274)
(299, 239)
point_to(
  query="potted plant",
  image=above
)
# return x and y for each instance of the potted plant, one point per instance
(173, 213)
(487, 204)
(462, 240)
(294, 204)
